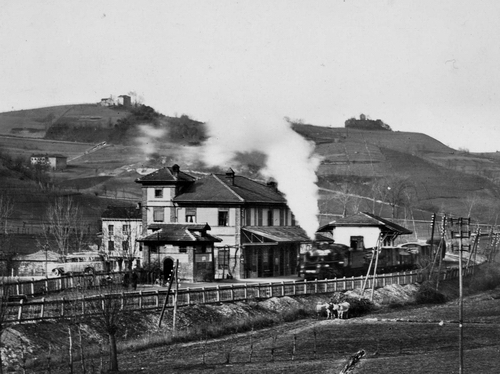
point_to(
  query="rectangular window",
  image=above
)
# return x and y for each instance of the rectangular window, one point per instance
(126, 229)
(248, 217)
(259, 217)
(125, 245)
(223, 217)
(182, 249)
(270, 217)
(158, 214)
(357, 243)
(158, 193)
(293, 219)
(111, 230)
(190, 215)
(223, 259)
(282, 217)
(111, 245)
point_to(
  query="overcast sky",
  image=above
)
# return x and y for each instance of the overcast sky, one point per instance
(423, 66)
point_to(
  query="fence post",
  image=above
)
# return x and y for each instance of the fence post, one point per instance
(344, 282)
(271, 289)
(232, 292)
(20, 310)
(62, 307)
(42, 309)
(305, 286)
(18, 287)
(188, 296)
(46, 285)
(258, 290)
(353, 285)
(316, 286)
(217, 293)
(246, 291)
(32, 286)
(294, 288)
(140, 299)
(282, 288)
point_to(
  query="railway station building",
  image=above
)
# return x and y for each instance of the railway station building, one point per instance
(238, 227)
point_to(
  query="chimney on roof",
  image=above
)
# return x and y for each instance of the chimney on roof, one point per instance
(230, 176)
(175, 170)
(273, 184)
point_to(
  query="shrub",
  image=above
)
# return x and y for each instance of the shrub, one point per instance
(427, 294)
(486, 277)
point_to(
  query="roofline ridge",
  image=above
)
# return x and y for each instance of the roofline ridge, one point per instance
(229, 188)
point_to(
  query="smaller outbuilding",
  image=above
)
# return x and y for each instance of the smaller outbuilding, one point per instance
(53, 161)
(188, 243)
(35, 264)
(364, 230)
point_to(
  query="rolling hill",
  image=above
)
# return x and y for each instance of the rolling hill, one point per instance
(438, 178)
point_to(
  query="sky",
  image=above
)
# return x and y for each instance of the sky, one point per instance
(421, 66)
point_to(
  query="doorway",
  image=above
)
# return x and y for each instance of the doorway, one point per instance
(168, 267)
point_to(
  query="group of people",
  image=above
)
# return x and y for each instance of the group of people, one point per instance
(130, 280)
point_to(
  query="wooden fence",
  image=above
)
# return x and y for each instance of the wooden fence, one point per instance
(78, 306)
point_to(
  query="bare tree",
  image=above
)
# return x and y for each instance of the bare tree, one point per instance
(6, 209)
(399, 191)
(471, 201)
(347, 198)
(107, 313)
(6, 291)
(64, 226)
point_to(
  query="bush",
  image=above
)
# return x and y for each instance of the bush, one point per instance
(427, 294)
(487, 277)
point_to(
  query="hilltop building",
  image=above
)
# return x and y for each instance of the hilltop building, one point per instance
(124, 100)
(252, 231)
(54, 161)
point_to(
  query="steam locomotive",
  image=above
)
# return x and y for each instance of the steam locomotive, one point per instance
(333, 260)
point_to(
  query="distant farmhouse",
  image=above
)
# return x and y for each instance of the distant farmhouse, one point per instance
(123, 100)
(54, 161)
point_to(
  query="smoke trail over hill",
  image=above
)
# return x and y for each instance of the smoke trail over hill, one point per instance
(291, 160)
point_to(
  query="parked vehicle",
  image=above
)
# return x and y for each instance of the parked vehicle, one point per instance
(79, 262)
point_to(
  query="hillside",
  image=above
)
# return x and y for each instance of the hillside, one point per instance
(365, 165)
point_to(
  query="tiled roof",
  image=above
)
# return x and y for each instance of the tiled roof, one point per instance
(177, 232)
(279, 233)
(222, 188)
(122, 212)
(365, 219)
(166, 175)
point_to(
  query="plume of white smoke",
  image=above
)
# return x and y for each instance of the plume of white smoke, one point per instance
(291, 160)
(150, 136)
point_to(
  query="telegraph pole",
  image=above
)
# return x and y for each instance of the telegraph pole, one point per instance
(460, 235)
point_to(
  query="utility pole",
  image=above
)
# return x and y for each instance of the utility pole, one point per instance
(460, 235)
(441, 250)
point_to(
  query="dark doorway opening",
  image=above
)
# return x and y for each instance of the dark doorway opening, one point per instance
(168, 267)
